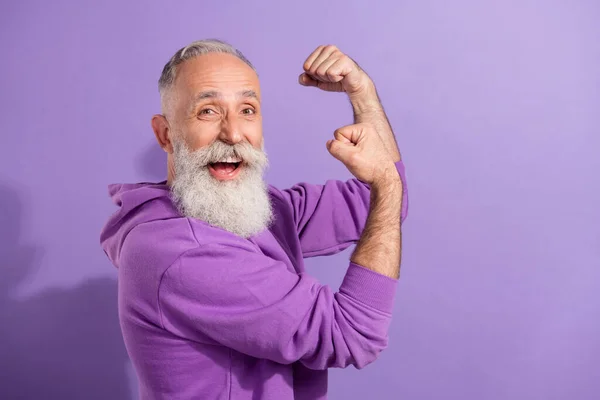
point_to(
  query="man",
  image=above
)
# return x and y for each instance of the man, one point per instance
(214, 300)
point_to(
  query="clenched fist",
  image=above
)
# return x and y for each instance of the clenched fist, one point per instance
(329, 69)
(362, 151)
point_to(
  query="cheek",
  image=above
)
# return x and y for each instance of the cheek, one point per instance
(201, 134)
(253, 133)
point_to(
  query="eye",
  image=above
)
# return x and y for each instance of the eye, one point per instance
(248, 111)
(206, 111)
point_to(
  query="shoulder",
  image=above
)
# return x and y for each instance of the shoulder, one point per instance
(165, 241)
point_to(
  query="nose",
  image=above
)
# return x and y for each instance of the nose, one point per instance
(230, 130)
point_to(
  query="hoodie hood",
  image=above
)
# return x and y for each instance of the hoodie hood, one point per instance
(138, 203)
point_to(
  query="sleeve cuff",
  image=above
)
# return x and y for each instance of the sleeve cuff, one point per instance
(369, 287)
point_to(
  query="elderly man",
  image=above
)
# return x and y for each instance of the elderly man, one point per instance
(214, 300)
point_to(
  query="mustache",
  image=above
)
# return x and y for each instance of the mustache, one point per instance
(219, 150)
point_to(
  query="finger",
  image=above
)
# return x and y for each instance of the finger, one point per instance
(349, 132)
(327, 51)
(339, 69)
(339, 136)
(325, 72)
(312, 57)
(305, 80)
(340, 150)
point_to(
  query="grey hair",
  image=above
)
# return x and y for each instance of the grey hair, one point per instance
(192, 50)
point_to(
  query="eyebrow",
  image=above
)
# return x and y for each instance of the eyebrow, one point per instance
(212, 94)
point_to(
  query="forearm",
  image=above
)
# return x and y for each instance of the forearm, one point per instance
(380, 245)
(367, 108)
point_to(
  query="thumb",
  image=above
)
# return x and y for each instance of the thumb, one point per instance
(306, 80)
(340, 150)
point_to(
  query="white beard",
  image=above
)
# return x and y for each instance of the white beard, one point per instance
(241, 206)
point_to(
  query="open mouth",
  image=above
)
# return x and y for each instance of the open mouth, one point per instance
(225, 170)
(225, 167)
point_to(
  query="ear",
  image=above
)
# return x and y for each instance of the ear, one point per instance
(162, 131)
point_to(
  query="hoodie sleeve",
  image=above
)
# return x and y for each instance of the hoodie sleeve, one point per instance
(253, 304)
(332, 216)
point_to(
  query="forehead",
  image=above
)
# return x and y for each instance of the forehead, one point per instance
(222, 73)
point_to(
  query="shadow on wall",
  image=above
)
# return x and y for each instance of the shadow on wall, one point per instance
(152, 163)
(60, 343)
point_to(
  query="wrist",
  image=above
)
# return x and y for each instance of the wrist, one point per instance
(365, 100)
(388, 182)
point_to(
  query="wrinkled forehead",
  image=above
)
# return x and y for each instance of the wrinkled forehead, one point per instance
(221, 76)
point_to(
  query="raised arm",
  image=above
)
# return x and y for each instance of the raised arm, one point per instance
(331, 216)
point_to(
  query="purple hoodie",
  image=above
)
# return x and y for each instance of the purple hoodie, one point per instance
(206, 314)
